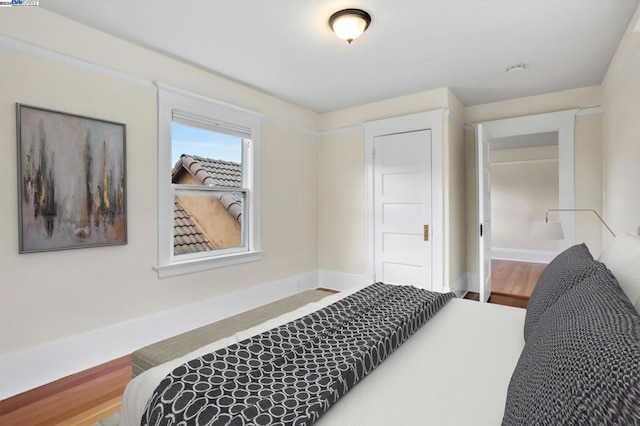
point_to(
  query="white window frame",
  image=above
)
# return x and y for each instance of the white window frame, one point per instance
(200, 111)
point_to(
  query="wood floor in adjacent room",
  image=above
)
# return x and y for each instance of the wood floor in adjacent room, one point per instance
(512, 282)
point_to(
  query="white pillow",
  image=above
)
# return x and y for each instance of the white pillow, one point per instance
(622, 257)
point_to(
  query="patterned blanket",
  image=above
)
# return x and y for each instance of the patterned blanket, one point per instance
(291, 374)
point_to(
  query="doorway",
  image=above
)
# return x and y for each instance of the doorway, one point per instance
(507, 139)
(524, 183)
(402, 207)
(405, 214)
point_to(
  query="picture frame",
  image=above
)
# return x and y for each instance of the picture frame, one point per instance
(71, 181)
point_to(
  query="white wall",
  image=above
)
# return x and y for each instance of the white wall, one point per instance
(621, 135)
(55, 295)
(524, 184)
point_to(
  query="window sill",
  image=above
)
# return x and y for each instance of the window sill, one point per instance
(198, 265)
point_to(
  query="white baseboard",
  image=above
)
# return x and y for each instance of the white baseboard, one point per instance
(340, 280)
(460, 287)
(519, 255)
(42, 364)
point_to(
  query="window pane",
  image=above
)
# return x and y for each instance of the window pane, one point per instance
(205, 157)
(207, 220)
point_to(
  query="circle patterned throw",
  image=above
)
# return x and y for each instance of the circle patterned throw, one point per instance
(291, 374)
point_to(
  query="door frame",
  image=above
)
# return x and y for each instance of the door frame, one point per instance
(431, 120)
(564, 123)
(484, 233)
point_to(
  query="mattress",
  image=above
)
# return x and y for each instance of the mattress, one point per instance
(454, 371)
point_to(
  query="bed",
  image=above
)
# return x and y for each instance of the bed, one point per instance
(483, 364)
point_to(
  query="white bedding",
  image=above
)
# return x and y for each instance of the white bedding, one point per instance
(454, 371)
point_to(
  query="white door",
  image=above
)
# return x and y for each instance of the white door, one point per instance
(484, 214)
(402, 208)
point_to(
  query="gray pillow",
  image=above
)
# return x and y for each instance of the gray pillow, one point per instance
(581, 365)
(566, 270)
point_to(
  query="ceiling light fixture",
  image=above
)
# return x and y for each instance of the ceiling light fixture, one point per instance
(516, 68)
(349, 24)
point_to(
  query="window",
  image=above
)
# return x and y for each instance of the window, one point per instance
(208, 170)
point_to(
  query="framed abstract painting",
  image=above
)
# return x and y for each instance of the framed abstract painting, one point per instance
(71, 181)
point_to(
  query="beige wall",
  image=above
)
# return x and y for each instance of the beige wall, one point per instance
(52, 295)
(621, 136)
(455, 249)
(341, 200)
(289, 202)
(524, 184)
(588, 183)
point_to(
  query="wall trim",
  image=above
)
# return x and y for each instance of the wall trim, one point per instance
(38, 365)
(539, 160)
(339, 130)
(19, 46)
(341, 281)
(589, 111)
(521, 255)
(274, 120)
(22, 47)
(459, 287)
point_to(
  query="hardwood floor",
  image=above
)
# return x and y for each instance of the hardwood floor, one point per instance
(501, 299)
(515, 278)
(81, 399)
(512, 282)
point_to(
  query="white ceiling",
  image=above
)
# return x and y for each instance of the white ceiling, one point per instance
(286, 48)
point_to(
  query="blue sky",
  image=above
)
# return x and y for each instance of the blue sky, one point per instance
(205, 143)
